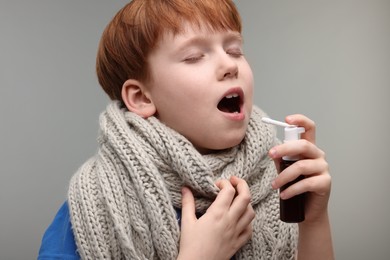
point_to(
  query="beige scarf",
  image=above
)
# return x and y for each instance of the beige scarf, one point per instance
(122, 201)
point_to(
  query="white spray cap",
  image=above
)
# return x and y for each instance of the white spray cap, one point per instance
(292, 133)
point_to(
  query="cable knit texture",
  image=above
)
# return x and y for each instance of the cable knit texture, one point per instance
(122, 201)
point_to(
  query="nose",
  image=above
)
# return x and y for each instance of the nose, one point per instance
(228, 67)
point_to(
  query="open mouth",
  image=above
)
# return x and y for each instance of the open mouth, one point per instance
(230, 103)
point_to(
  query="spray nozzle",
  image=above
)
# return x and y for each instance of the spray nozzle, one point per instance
(274, 122)
(291, 132)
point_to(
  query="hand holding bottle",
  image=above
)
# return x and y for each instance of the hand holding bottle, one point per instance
(312, 165)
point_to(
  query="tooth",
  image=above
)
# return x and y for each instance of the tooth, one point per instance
(232, 96)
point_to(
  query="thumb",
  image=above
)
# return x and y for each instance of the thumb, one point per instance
(188, 206)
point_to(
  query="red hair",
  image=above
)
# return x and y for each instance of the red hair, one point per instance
(135, 30)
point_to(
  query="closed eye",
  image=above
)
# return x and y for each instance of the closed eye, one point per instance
(193, 59)
(235, 53)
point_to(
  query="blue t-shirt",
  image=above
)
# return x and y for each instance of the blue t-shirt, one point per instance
(58, 241)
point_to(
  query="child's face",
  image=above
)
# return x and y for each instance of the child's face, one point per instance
(193, 73)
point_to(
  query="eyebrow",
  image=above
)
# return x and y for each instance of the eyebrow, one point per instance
(234, 36)
(199, 40)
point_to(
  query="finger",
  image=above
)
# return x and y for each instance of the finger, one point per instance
(225, 196)
(305, 167)
(301, 148)
(277, 164)
(319, 184)
(245, 235)
(246, 218)
(188, 206)
(307, 123)
(242, 199)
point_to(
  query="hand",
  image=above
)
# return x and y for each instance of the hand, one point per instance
(314, 167)
(223, 229)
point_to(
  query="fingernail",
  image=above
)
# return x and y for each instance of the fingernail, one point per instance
(273, 183)
(272, 153)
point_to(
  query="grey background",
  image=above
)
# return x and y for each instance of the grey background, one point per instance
(329, 60)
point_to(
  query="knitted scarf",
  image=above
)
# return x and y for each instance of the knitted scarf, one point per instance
(122, 201)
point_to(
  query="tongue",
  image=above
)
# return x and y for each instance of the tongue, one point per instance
(225, 109)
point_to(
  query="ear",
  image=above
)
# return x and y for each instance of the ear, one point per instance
(137, 99)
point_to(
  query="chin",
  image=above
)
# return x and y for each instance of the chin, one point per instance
(233, 143)
(215, 147)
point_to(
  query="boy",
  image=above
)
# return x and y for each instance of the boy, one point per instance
(184, 168)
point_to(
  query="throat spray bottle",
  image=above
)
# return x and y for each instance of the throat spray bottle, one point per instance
(291, 210)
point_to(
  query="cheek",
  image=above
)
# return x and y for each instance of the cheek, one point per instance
(249, 82)
(248, 74)
(171, 105)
